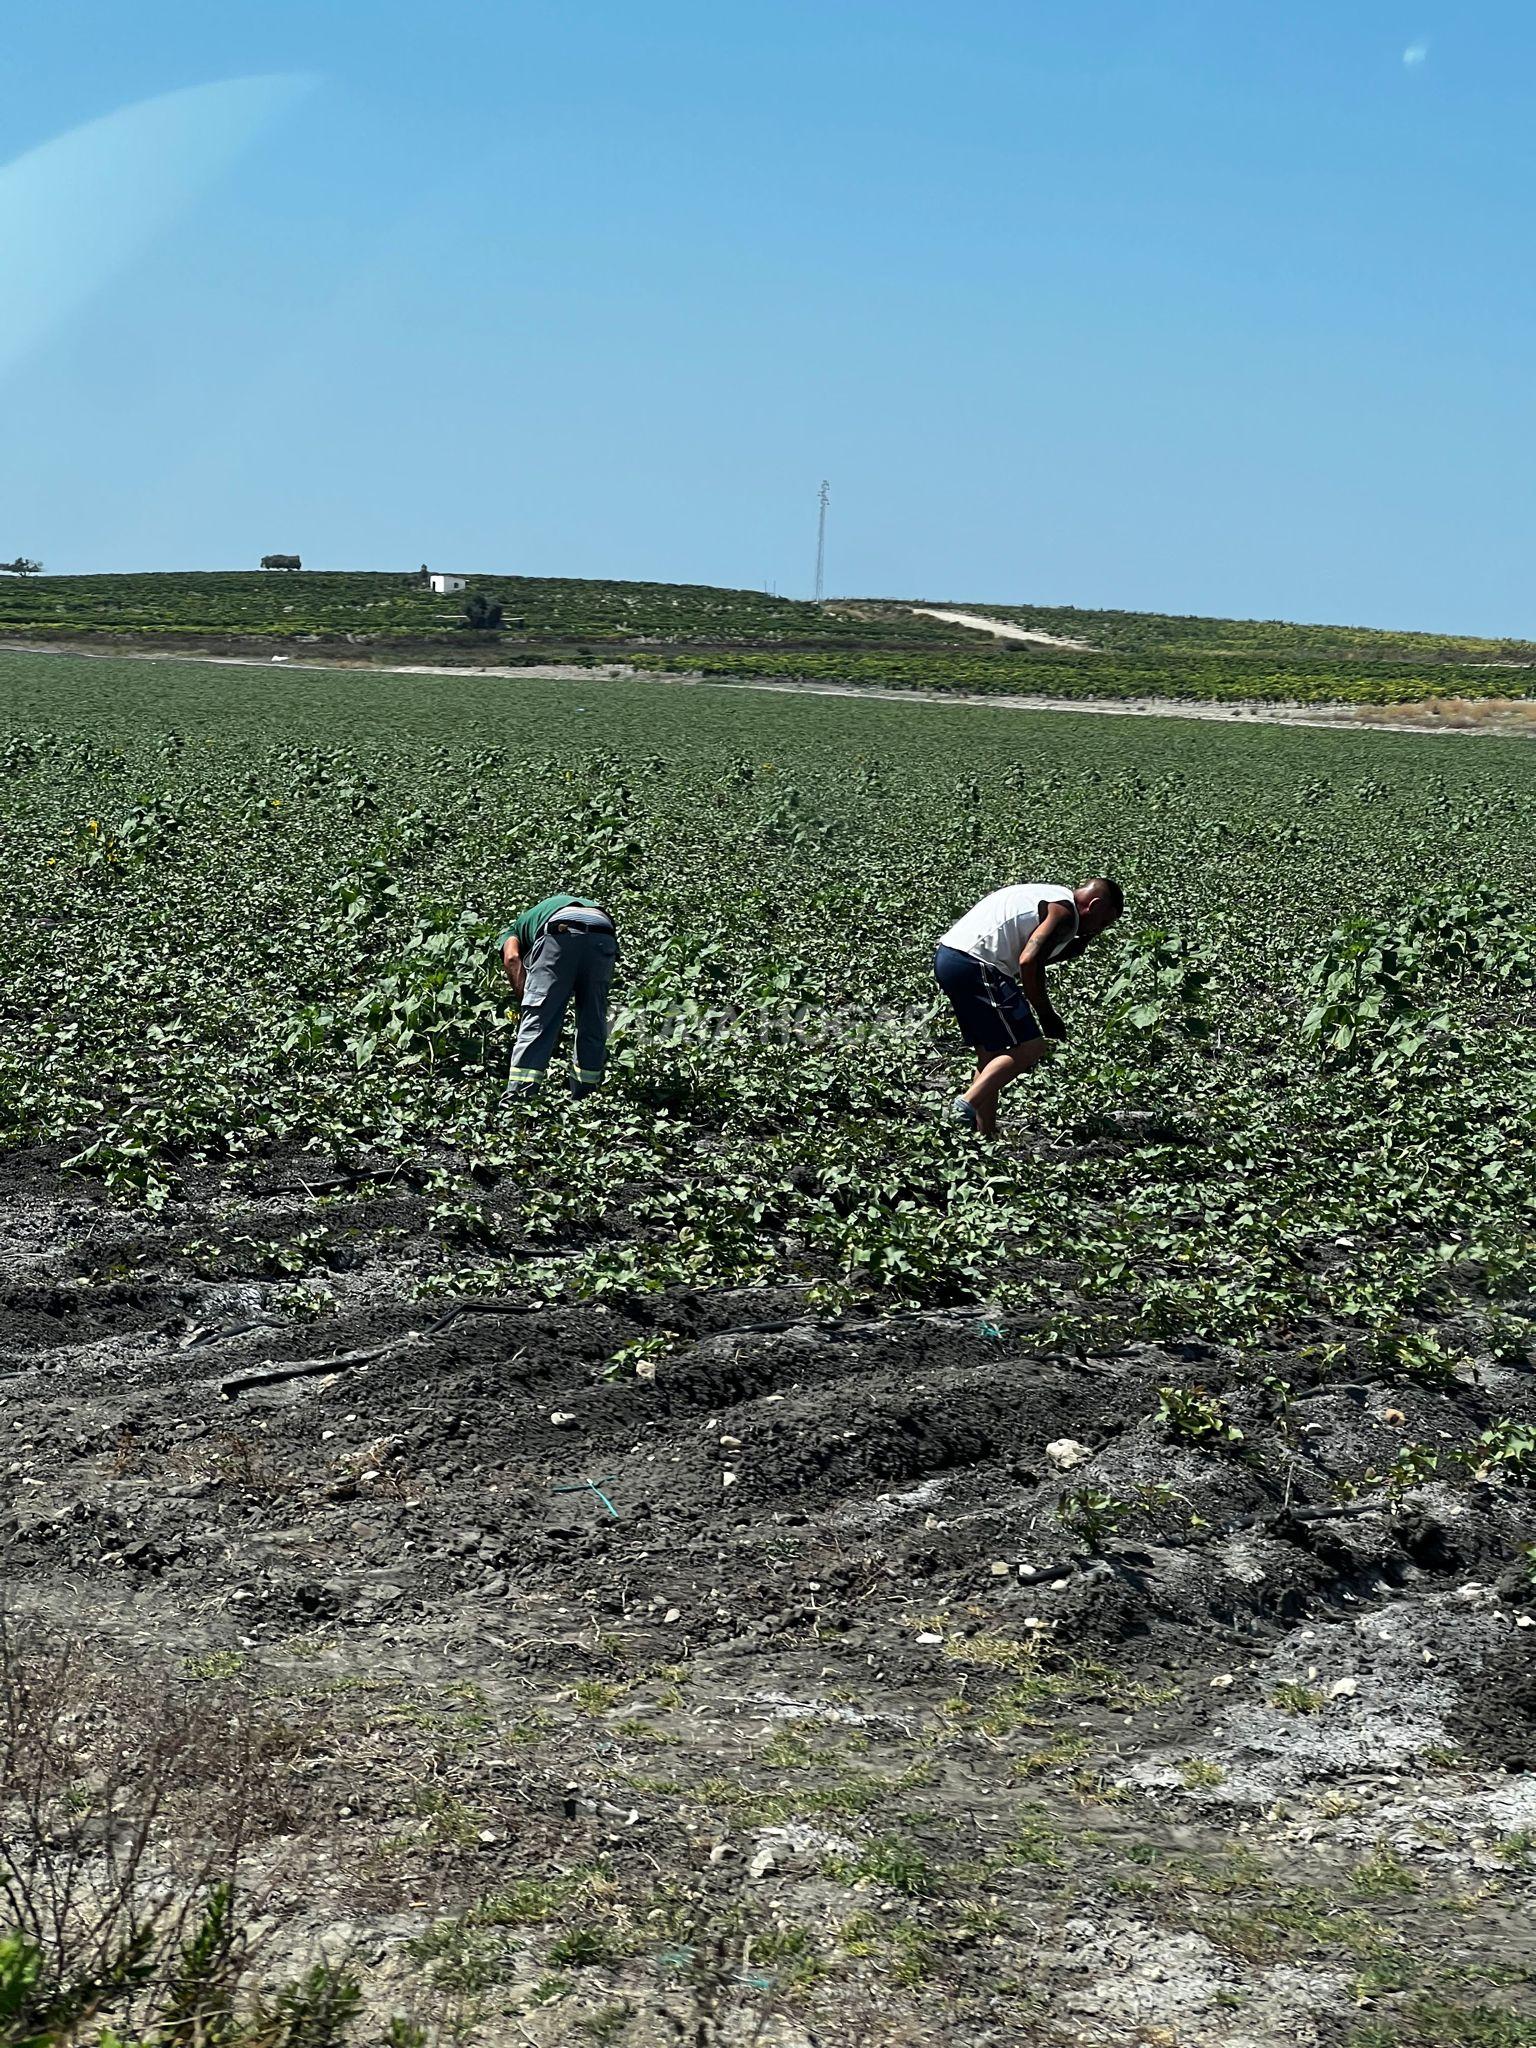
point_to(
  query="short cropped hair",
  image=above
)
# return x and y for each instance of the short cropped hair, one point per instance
(1107, 887)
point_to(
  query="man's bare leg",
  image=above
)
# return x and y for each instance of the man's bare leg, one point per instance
(994, 1075)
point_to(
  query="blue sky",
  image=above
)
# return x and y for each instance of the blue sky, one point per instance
(1189, 305)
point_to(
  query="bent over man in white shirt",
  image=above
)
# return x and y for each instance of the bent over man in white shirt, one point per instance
(991, 964)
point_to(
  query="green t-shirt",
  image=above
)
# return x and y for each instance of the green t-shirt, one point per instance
(526, 929)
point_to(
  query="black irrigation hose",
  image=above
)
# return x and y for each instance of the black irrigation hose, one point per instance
(308, 1368)
(842, 1332)
(845, 1334)
(353, 1177)
(1065, 1568)
(315, 1368)
(219, 1336)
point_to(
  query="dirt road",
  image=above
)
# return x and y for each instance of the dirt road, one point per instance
(1004, 629)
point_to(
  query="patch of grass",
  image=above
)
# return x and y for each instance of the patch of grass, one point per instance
(990, 1652)
(551, 1990)
(1198, 1773)
(581, 1947)
(1302, 1923)
(456, 1730)
(217, 1664)
(793, 1749)
(1294, 1698)
(1059, 1753)
(789, 1953)
(1385, 1977)
(642, 1731)
(1382, 1875)
(349, 1682)
(915, 1776)
(1483, 1973)
(891, 1862)
(850, 1796)
(855, 1794)
(908, 1954)
(460, 1957)
(450, 1821)
(595, 1696)
(1034, 1841)
(532, 1901)
(913, 1952)
(749, 1808)
(1442, 1758)
(1009, 1712)
(1434, 2023)
(1245, 1868)
(535, 1726)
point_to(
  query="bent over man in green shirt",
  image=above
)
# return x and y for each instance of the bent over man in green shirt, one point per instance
(562, 950)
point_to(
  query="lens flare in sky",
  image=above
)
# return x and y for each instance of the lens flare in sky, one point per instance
(77, 211)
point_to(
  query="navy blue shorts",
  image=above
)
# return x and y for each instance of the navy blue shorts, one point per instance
(993, 1011)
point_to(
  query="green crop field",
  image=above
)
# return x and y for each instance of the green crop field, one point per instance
(736, 1550)
(321, 863)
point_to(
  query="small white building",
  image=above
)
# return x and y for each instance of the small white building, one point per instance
(445, 586)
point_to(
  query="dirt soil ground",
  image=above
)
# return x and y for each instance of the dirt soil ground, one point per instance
(733, 1675)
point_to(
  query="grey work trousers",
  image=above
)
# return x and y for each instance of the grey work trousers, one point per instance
(573, 965)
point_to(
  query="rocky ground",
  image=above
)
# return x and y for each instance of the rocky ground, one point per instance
(718, 1672)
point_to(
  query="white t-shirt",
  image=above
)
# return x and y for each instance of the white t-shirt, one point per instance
(1001, 925)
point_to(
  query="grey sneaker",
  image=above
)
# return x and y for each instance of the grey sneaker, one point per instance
(962, 1115)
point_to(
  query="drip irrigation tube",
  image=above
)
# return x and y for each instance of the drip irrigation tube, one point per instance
(314, 1368)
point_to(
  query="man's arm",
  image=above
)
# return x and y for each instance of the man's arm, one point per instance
(1032, 968)
(512, 965)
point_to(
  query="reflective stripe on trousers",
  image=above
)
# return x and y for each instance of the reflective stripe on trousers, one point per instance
(565, 967)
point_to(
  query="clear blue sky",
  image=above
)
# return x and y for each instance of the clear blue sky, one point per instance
(1191, 305)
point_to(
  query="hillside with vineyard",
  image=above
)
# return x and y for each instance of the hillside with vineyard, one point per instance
(744, 635)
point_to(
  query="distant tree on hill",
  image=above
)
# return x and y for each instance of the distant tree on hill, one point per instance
(482, 614)
(281, 562)
(423, 575)
(22, 566)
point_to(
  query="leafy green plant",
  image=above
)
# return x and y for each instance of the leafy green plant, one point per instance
(435, 1003)
(1509, 1449)
(1092, 1513)
(1161, 990)
(1192, 1416)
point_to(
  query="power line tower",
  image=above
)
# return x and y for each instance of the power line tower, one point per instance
(821, 540)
